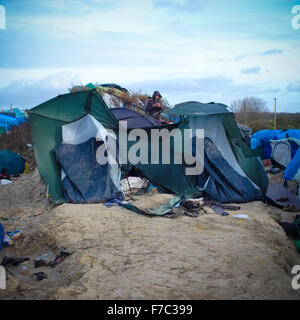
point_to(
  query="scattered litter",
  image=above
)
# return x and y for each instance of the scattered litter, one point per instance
(5, 181)
(15, 235)
(12, 261)
(44, 260)
(241, 216)
(194, 207)
(66, 251)
(63, 253)
(133, 183)
(220, 211)
(24, 270)
(114, 202)
(40, 276)
(7, 241)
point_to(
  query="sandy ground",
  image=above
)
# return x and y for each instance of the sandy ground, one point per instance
(123, 255)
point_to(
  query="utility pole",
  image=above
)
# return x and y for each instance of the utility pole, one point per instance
(274, 113)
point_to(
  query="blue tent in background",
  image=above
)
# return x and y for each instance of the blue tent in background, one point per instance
(19, 114)
(12, 162)
(262, 140)
(7, 122)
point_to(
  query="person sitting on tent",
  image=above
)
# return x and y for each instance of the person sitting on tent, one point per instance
(153, 106)
(4, 174)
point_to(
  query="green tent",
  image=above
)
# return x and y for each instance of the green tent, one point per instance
(213, 116)
(46, 122)
(48, 118)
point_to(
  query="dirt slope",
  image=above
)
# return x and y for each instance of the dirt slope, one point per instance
(123, 255)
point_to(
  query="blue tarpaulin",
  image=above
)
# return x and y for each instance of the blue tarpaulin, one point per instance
(292, 170)
(84, 179)
(221, 182)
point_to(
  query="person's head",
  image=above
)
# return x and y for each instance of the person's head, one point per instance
(156, 95)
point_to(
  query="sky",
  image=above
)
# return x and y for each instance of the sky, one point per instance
(200, 50)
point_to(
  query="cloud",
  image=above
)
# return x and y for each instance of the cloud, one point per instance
(204, 89)
(28, 93)
(251, 70)
(264, 53)
(271, 52)
(294, 87)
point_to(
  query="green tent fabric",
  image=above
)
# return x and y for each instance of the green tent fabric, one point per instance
(198, 108)
(46, 127)
(46, 121)
(168, 177)
(246, 159)
(159, 211)
(12, 162)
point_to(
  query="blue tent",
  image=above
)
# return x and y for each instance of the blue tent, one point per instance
(7, 122)
(19, 114)
(292, 171)
(261, 139)
(12, 162)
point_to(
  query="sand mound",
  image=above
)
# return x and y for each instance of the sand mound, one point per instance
(23, 198)
(123, 255)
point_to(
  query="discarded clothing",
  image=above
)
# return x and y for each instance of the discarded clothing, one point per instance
(12, 261)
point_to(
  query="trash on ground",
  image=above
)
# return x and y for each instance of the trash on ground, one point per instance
(44, 260)
(5, 181)
(241, 216)
(131, 183)
(62, 254)
(12, 261)
(114, 202)
(194, 207)
(220, 211)
(7, 241)
(24, 270)
(40, 276)
(15, 235)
